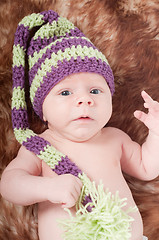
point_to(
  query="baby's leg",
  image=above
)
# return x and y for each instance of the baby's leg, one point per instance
(48, 227)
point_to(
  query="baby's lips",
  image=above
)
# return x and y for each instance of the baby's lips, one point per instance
(83, 117)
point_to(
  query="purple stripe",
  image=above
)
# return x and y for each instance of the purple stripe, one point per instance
(87, 199)
(20, 118)
(65, 43)
(40, 43)
(18, 76)
(35, 144)
(65, 166)
(66, 68)
(21, 36)
(75, 33)
(49, 16)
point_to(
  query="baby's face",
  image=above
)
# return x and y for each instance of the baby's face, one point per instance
(78, 107)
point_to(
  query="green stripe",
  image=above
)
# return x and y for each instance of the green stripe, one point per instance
(60, 56)
(22, 135)
(38, 55)
(18, 98)
(51, 156)
(18, 56)
(35, 19)
(56, 28)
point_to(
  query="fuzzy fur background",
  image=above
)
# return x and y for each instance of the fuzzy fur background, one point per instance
(127, 32)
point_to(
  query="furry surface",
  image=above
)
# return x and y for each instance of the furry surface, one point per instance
(126, 31)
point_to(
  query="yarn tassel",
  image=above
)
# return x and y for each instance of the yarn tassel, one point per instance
(106, 220)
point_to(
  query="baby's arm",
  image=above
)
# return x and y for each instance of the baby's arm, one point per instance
(143, 162)
(22, 183)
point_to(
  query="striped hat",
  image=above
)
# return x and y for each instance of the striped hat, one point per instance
(56, 50)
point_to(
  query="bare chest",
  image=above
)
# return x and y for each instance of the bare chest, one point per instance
(98, 158)
(99, 162)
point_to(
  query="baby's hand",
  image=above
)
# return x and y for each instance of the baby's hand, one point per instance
(64, 189)
(151, 119)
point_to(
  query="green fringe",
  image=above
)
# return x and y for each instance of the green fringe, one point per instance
(106, 221)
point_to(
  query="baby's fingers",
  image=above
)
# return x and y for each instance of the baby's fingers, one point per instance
(146, 97)
(140, 115)
(152, 105)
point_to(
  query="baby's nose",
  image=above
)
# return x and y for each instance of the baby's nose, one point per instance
(85, 100)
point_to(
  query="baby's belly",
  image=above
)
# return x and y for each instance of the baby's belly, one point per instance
(114, 181)
(49, 214)
(137, 224)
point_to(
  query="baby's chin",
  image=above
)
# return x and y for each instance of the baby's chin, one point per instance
(84, 136)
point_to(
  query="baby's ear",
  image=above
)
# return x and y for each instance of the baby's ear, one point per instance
(44, 118)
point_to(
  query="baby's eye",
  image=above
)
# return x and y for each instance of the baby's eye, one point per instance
(65, 93)
(95, 91)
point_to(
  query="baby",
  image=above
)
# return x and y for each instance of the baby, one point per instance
(71, 87)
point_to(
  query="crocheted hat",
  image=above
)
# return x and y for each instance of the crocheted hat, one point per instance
(56, 50)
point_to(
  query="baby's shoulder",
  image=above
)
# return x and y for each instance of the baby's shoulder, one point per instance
(45, 134)
(114, 133)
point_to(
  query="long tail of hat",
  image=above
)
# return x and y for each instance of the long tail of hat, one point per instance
(23, 133)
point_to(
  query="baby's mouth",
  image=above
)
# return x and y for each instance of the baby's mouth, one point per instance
(84, 118)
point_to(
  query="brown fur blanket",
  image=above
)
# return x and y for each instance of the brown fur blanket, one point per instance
(127, 32)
